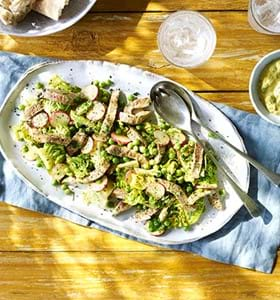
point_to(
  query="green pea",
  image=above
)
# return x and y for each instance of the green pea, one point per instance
(118, 131)
(136, 148)
(169, 177)
(151, 162)
(40, 164)
(163, 170)
(103, 153)
(25, 149)
(115, 160)
(64, 186)
(189, 188)
(130, 146)
(171, 155)
(142, 149)
(68, 192)
(146, 153)
(158, 174)
(96, 82)
(137, 142)
(111, 142)
(167, 223)
(146, 166)
(104, 99)
(179, 173)
(150, 131)
(39, 86)
(21, 107)
(105, 84)
(55, 182)
(156, 168)
(139, 127)
(126, 159)
(154, 152)
(131, 97)
(180, 180)
(177, 146)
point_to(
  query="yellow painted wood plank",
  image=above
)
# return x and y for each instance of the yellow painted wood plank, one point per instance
(167, 5)
(234, 99)
(22, 230)
(133, 41)
(138, 275)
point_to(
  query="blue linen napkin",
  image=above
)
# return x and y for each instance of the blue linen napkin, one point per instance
(246, 242)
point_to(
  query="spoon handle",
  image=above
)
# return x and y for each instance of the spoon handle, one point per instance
(273, 177)
(253, 208)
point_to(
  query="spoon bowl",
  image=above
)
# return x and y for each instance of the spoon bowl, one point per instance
(171, 107)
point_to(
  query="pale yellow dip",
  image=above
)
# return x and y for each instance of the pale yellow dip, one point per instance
(269, 87)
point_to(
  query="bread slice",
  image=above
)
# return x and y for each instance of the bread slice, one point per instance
(50, 8)
(13, 11)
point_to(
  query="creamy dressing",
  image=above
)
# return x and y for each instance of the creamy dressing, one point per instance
(269, 87)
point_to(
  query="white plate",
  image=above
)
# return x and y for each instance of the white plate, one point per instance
(35, 24)
(129, 79)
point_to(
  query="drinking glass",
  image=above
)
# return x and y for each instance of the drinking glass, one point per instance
(264, 16)
(187, 39)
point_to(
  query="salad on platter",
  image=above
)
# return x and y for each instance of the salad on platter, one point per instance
(114, 149)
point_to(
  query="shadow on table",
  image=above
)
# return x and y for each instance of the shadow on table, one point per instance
(99, 35)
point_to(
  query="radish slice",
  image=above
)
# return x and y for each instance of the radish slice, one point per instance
(59, 118)
(90, 91)
(97, 112)
(155, 190)
(120, 139)
(99, 185)
(88, 147)
(40, 120)
(161, 137)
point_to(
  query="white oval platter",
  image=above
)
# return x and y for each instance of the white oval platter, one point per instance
(128, 79)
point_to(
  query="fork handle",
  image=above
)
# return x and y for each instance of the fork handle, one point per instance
(272, 176)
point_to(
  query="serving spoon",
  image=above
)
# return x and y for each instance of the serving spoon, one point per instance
(174, 110)
(273, 177)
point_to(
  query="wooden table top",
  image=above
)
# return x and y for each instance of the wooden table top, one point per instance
(43, 257)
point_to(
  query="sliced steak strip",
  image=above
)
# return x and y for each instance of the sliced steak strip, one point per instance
(197, 161)
(99, 172)
(119, 194)
(146, 214)
(110, 114)
(136, 119)
(120, 208)
(139, 103)
(177, 191)
(135, 135)
(43, 138)
(33, 110)
(126, 152)
(198, 194)
(216, 202)
(78, 142)
(60, 97)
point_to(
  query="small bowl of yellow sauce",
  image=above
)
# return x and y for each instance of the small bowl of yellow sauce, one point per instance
(264, 87)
